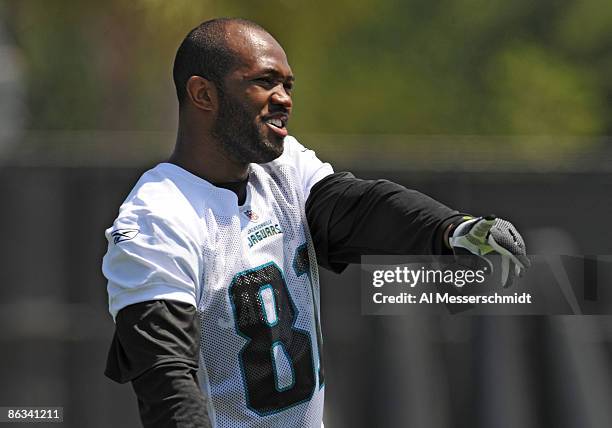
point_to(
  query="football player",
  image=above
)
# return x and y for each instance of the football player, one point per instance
(212, 260)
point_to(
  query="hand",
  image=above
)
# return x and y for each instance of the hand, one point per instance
(491, 236)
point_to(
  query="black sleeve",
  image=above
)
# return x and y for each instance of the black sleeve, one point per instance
(349, 217)
(156, 346)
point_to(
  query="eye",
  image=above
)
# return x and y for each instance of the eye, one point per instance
(266, 82)
(288, 87)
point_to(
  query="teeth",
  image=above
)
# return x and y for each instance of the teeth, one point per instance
(276, 122)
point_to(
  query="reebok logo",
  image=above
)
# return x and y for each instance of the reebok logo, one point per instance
(121, 235)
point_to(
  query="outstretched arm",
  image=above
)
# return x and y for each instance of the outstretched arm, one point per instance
(349, 217)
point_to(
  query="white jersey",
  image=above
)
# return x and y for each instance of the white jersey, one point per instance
(249, 270)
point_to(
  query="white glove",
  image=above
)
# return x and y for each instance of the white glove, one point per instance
(490, 236)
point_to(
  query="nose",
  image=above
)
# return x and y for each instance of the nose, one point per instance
(280, 96)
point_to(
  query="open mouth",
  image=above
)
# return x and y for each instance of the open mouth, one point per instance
(278, 124)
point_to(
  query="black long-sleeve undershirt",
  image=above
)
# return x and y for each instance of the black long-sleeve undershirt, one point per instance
(349, 217)
(156, 347)
(156, 343)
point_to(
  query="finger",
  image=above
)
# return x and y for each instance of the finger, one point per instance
(517, 271)
(513, 274)
(505, 270)
(482, 228)
(472, 262)
(524, 261)
(518, 260)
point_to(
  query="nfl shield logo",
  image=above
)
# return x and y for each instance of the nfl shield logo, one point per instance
(251, 215)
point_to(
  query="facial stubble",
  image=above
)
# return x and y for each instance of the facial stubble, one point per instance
(239, 134)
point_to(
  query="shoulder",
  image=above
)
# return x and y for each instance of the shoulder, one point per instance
(300, 158)
(154, 243)
(292, 152)
(165, 196)
(166, 191)
(307, 168)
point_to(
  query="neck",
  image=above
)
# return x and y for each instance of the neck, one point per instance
(202, 155)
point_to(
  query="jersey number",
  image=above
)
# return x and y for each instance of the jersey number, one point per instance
(277, 360)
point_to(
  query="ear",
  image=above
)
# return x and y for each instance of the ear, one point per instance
(202, 93)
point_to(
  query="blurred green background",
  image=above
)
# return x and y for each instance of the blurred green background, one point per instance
(392, 69)
(488, 106)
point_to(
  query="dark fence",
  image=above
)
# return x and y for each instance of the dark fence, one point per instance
(381, 371)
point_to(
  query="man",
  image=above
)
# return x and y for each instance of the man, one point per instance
(211, 265)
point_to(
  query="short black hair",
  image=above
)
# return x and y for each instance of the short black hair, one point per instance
(205, 52)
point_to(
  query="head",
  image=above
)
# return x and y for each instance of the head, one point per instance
(233, 78)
